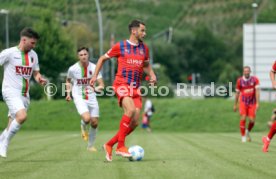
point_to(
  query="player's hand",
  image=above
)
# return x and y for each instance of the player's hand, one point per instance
(235, 108)
(92, 81)
(274, 84)
(42, 81)
(68, 98)
(257, 106)
(152, 80)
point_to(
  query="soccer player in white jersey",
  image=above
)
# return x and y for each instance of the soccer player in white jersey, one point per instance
(20, 63)
(84, 95)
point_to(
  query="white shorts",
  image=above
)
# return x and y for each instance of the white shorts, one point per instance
(87, 106)
(16, 103)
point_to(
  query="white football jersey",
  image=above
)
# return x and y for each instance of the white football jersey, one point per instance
(18, 70)
(80, 76)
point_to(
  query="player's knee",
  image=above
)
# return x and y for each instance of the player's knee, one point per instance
(21, 116)
(243, 118)
(86, 118)
(130, 111)
(252, 120)
(136, 123)
(94, 124)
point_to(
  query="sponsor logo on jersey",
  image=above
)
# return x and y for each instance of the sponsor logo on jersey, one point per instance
(83, 81)
(17, 57)
(135, 62)
(23, 71)
(90, 72)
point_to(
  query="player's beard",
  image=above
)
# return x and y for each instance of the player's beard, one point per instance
(247, 76)
(140, 39)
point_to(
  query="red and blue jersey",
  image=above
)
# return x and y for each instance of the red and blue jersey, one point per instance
(247, 89)
(131, 58)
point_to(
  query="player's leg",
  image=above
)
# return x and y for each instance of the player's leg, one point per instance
(144, 121)
(243, 114)
(129, 112)
(134, 122)
(251, 116)
(268, 138)
(242, 128)
(85, 116)
(18, 106)
(83, 111)
(92, 134)
(138, 105)
(149, 128)
(84, 129)
(4, 133)
(94, 113)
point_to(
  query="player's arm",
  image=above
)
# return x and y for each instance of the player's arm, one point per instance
(38, 78)
(99, 65)
(100, 85)
(4, 57)
(272, 78)
(237, 96)
(257, 93)
(149, 71)
(68, 87)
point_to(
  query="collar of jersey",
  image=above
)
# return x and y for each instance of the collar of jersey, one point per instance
(131, 43)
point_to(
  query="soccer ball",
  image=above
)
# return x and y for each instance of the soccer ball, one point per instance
(137, 153)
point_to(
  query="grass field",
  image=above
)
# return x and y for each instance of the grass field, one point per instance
(167, 155)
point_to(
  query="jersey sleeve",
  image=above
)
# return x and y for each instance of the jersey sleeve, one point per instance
(274, 66)
(4, 57)
(147, 58)
(114, 51)
(70, 73)
(238, 86)
(257, 85)
(36, 64)
(147, 53)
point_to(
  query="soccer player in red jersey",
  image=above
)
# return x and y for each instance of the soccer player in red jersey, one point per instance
(266, 139)
(247, 92)
(133, 60)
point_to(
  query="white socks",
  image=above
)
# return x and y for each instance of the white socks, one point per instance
(92, 136)
(3, 135)
(83, 125)
(14, 127)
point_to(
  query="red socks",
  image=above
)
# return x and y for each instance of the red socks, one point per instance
(251, 125)
(124, 127)
(242, 127)
(124, 130)
(272, 131)
(114, 140)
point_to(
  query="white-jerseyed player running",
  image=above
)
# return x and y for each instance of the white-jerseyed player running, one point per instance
(84, 95)
(20, 63)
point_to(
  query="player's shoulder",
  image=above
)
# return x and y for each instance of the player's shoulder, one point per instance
(239, 78)
(91, 64)
(144, 44)
(32, 52)
(74, 67)
(10, 50)
(119, 43)
(255, 78)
